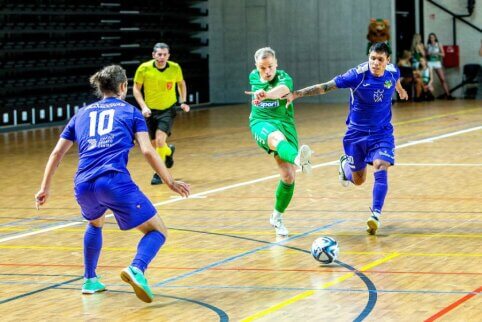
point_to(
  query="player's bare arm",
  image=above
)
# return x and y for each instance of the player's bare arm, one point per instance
(136, 90)
(158, 165)
(182, 89)
(314, 90)
(53, 163)
(318, 89)
(401, 91)
(273, 94)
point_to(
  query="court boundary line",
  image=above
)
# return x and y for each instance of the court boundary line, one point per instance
(241, 184)
(454, 305)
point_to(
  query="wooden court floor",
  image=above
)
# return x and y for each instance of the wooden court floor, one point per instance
(222, 260)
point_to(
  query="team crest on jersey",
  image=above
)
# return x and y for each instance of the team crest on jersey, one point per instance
(169, 85)
(378, 95)
(388, 84)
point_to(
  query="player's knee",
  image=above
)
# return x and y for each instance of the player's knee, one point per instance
(358, 181)
(288, 178)
(380, 165)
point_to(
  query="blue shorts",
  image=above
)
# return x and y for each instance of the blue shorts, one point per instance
(363, 148)
(115, 191)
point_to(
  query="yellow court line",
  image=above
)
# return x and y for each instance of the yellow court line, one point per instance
(428, 118)
(306, 294)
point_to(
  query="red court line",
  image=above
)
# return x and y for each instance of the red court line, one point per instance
(454, 305)
(247, 269)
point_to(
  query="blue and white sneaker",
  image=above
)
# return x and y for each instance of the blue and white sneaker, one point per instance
(341, 172)
(373, 222)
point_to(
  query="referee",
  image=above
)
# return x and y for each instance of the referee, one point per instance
(158, 79)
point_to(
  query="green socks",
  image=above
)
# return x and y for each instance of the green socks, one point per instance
(284, 193)
(287, 152)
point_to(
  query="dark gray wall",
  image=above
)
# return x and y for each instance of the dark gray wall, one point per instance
(314, 40)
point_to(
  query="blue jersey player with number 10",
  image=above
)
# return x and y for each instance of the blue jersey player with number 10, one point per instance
(105, 132)
(369, 138)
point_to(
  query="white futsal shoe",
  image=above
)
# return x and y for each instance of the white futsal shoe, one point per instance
(373, 222)
(341, 172)
(276, 220)
(303, 159)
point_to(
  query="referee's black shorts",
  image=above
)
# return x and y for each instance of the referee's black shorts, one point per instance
(162, 120)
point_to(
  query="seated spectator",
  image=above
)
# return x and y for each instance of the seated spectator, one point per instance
(423, 82)
(406, 72)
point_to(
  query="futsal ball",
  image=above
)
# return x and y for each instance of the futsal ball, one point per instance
(325, 250)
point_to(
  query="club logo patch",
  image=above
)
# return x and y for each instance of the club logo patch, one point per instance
(388, 84)
(169, 85)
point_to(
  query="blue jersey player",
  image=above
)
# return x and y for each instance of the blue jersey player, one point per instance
(369, 138)
(105, 132)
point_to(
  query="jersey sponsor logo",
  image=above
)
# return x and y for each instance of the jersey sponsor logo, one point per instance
(266, 104)
(92, 144)
(388, 84)
(169, 85)
(378, 95)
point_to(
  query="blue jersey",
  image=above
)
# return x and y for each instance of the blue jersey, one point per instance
(371, 97)
(104, 132)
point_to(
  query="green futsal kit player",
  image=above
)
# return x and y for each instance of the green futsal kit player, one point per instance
(273, 127)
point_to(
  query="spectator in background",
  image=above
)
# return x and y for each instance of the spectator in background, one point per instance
(406, 72)
(417, 49)
(154, 88)
(435, 53)
(423, 82)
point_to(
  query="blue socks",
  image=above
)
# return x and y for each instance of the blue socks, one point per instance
(380, 189)
(92, 248)
(147, 249)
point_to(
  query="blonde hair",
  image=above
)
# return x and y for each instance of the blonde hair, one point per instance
(417, 39)
(264, 53)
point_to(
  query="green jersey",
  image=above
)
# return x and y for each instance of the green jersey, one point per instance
(271, 109)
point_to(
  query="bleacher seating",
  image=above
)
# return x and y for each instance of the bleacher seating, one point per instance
(49, 48)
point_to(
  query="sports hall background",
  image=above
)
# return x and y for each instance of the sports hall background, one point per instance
(48, 48)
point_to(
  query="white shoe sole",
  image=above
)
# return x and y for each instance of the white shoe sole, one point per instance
(305, 159)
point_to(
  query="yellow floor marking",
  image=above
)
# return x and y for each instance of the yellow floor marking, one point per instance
(306, 294)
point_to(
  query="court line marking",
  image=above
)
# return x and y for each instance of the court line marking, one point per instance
(439, 164)
(306, 294)
(246, 253)
(454, 305)
(240, 184)
(303, 295)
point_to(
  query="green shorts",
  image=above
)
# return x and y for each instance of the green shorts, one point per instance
(261, 129)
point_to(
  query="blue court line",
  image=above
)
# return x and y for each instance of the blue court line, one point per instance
(39, 290)
(223, 316)
(235, 257)
(48, 275)
(372, 290)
